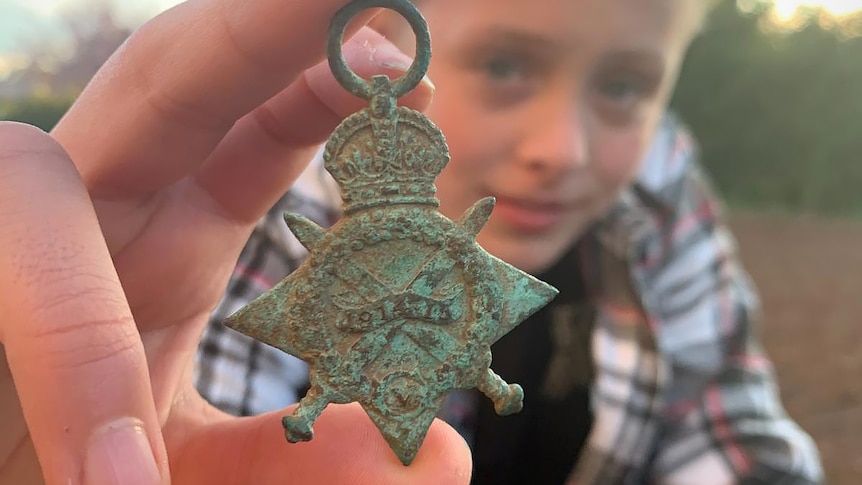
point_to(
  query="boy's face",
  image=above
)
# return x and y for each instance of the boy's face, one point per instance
(549, 106)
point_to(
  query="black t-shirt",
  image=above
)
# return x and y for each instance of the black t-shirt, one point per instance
(548, 355)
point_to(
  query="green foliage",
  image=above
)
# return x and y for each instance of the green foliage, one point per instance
(41, 111)
(779, 117)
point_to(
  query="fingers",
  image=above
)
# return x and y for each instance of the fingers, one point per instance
(268, 149)
(347, 448)
(18, 463)
(163, 102)
(74, 352)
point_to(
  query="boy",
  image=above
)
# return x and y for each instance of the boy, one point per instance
(644, 369)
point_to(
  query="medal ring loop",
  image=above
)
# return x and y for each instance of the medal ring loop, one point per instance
(361, 87)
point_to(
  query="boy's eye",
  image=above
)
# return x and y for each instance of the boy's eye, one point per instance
(620, 90)
(505, 81)
(621, 98)
(504, 70)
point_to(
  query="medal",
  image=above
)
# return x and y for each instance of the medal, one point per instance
(395, 305)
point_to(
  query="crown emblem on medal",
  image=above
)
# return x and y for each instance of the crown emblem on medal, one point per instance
(398, 163)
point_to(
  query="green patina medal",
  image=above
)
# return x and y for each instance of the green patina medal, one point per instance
(395, 305)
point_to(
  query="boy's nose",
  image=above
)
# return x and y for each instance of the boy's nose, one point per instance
(554, 142)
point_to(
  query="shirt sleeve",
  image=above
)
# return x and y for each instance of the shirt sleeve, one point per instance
(723, 421)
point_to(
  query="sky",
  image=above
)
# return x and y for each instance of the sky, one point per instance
(24, 23)
(28, 23)
(23, 20)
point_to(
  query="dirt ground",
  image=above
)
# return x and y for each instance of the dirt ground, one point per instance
(809, 273)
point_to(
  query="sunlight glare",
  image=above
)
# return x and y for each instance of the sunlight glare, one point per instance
(786, 10)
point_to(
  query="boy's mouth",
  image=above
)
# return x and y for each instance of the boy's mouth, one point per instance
(529, 215)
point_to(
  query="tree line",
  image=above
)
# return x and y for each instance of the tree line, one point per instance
(778, 116)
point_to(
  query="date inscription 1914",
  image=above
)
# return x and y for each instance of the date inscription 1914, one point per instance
(395, 305)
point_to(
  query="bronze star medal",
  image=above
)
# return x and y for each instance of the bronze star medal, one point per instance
(395, 305)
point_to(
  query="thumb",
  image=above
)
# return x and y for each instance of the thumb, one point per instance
(347, 449)
(74, 352)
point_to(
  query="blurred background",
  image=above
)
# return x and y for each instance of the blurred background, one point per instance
(773, 92)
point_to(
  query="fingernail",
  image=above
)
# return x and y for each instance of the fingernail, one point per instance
(427, 80)
(120, 453)
(385, 54)
(388, 56)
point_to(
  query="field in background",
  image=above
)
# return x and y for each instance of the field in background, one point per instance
(809, 273)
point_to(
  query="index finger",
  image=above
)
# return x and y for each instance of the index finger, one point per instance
(165, 99)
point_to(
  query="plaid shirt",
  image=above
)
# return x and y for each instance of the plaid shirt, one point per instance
(682, 393)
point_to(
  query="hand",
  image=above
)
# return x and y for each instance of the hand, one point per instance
(118, 234)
